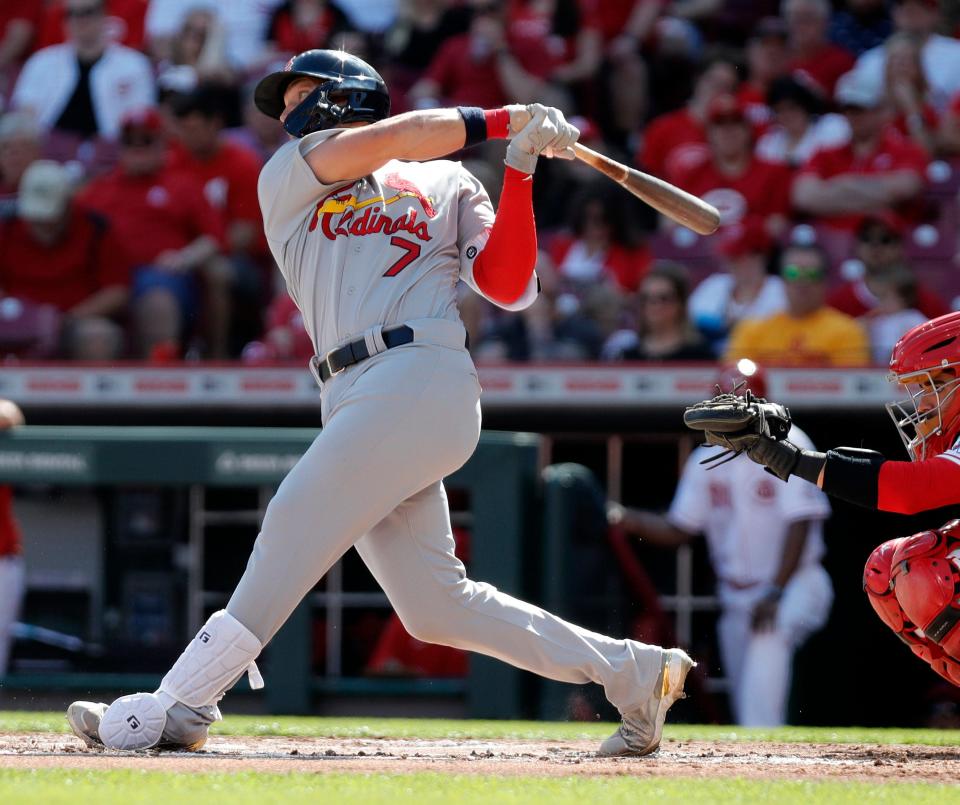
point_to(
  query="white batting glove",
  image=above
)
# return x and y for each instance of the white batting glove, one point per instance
(547, 133)
(519, 117)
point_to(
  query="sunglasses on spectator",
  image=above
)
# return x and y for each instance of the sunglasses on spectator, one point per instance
(792, 272)
(659, 298)
(82, 12)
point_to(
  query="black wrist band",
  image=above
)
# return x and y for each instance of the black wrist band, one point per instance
(475, 123)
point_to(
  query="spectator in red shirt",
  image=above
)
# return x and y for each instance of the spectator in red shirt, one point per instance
(20, 138)
(12, 576)
(811, 51)
(879, 248)
(53, 253)
(732, 178)
(766, 62)
(878, 169)
(486, 67)
(674, 141)
(299, 25)
(600, 246)
(171, 233)
(284, 338)
(229, 173)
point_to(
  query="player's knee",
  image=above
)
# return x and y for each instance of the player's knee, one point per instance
(878, 585)
(435, 614)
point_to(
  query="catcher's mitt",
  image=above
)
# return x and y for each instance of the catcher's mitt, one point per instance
(737, 423)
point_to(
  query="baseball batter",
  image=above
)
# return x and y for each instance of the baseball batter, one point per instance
(372, 241)
(765, 540)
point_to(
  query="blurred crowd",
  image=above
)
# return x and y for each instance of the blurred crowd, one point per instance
(826, 133)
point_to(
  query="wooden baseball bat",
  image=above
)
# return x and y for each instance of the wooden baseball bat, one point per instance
(676, 204)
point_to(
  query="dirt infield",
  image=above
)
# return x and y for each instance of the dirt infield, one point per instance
(869, 762)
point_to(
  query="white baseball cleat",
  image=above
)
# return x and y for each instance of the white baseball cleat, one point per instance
(640, 730)
(140, 721)
(84, 720)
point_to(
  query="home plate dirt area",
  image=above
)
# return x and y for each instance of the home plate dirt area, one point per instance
(764, 760)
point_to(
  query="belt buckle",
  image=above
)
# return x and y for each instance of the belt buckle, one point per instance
(332, 368)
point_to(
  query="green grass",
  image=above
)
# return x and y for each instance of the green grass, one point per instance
(55, 786)
(427, 728)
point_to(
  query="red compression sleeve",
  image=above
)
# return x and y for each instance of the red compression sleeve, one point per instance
(909, 487)
(503, 269)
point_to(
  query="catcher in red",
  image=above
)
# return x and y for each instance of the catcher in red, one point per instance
(911, 582)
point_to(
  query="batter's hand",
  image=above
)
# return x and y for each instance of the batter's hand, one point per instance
(519, 117)
(547, 133)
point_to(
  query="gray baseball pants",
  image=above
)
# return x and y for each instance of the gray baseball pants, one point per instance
(394, 425)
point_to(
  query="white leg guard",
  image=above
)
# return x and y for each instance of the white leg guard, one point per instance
(222, 650)
(133, 722)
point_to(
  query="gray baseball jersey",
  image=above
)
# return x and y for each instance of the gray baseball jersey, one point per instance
(382, 250)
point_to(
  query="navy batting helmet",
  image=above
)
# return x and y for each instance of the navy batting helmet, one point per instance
(350, 91)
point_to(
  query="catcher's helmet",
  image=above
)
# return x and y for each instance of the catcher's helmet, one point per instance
(741, 375)
(926, 362)
(361, 90)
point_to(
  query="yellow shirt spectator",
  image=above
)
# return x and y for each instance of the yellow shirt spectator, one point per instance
(825, 337)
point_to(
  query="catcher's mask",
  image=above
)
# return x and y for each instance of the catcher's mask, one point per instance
(926, 362)
(350, 91)
(744, 374)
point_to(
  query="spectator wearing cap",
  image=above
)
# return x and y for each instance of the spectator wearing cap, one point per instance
(229, 173)
(664, 331)
(860, 25)
(920, 19)
(876, 170)
(766, 54)
(674, 141)
(799, 128)
(54, 253)
(488, 66)
(20, 138)
(732, 178)
(85, 85)
(879, 250)
(171, 233)
(745, 290)
(125, 20)
(811, 51)
(807, 332)
(908, 93)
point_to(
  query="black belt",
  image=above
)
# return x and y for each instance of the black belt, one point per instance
(336, 360)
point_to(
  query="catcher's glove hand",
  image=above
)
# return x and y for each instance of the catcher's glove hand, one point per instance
(737, 423)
